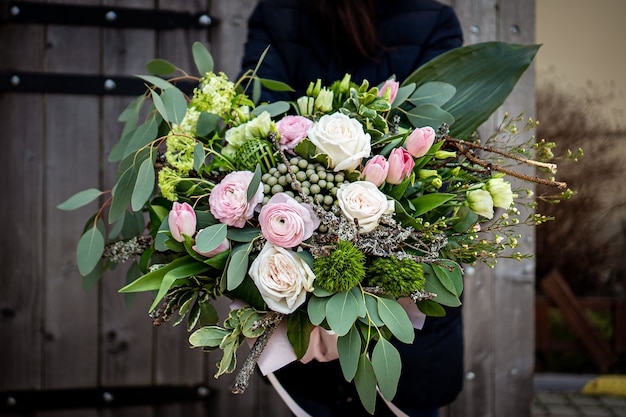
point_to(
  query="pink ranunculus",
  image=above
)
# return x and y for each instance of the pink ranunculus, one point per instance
(228, 200)
(401, 165)
(420, 141)
(375, 170)
(225, 245)
(292, 130)
(285, 222)
(182, 221)
(392, 86)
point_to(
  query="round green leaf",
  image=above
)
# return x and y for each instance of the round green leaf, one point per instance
(238, 266)
(202, 58)
(433, 92)
(175, 105)
(211, 237)
(387, 366)
(395, 318)
(342, 310)
(160, 67)
(316, 307)
(156, 81)
(429, 115)
(210, 336)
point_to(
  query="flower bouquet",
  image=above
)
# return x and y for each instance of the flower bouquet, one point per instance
(338, 220)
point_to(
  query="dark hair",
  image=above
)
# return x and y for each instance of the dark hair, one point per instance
(349, 28)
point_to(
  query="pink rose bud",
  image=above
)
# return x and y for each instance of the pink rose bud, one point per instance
(375, 170)
(292, 130)
(182, 221)
(225, 245)
(389, 90)
(420, 141)
(401, 165)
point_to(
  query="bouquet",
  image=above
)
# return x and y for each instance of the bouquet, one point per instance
(338, 220)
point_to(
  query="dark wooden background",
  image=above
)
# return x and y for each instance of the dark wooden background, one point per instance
(56, 335)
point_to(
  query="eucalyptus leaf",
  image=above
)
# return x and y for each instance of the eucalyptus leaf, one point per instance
(156, 81)
(211, 237)
(207, 123)
(395, 318)
(431, 308)
(342, 310)
(159, 105)
(202, 58)
(433, 285)
(253, 187)
(429, 115)
(198, 156)
(316, 307)
(175, 105)
(404, 92)
(299, 332)
(387, 366)
(160, 67)
(143, 135)
(80, 199)
(246, 234)
(144, 185)
(433, 92)
(89, 250)
(349, 349)
(275, 85)
(372, 317)
(274, 109)
(365, 383)
(90, 280)
(161, 237)
(450, 275)
(237, 266)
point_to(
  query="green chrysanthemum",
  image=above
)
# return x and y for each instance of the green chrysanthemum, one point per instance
(342, 269)
(396, 277)
(180, 148)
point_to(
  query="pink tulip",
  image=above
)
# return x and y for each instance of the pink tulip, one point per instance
(420, 141)
(375, 170)
(389, 87)
(182, 221)
(401, 165)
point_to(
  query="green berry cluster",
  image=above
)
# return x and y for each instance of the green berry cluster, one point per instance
(315, 181)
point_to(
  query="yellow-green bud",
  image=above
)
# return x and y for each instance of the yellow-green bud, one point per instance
(314, 89)
(344, 85)
(437, 182)
(305, 105)
(445, 154)
(324, 100)
(427, 173)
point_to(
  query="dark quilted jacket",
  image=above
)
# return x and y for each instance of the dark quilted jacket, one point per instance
(414, 31)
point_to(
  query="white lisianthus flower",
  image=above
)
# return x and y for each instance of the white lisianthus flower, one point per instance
(342, 139)
(259, 127)
(480, 202)
(282, 278)
(363, 201)
(501, 193)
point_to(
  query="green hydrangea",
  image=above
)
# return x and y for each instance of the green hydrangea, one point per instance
(342, 269)
(168, 181)
(214, 95)
(179, 152)
(396, 277)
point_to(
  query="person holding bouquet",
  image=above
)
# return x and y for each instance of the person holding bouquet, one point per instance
(372, 40)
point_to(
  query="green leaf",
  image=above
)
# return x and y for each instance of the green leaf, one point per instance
(434, 92)
(238, 266)
(144, 185)
(365, 382)
(152, 280)
(80, 199)
(428, 202)
(211, 237)
(207, 123)
(156, 81)
(431, 308)
(182, 271)
(299, 332)
(246, 234)
(341, 312)
(90, 280)
(123, 190)
(466, 219)
(143, 135)
(433, 285)
(349, 348)
(275, 85)
(210, 336)
(450, 275)
(248, 293)
(387, 366)
(372, 317)
(403, 93)
(316, 308)
(160, 67)
(175, 105)
(429, 115)
(395, 318)
(274, 109)
(198, 156)
(489, 73)
(89, 250)
(208, 314)
(158, 104)
(202, 58)
(253, 187)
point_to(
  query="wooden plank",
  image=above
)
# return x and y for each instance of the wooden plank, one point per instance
(561, 295)
(126, 330)
(72, 122)
(619, 335)
(22, 248)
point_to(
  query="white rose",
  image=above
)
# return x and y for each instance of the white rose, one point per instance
(363, 201)
(282, 278)
(342, 139)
